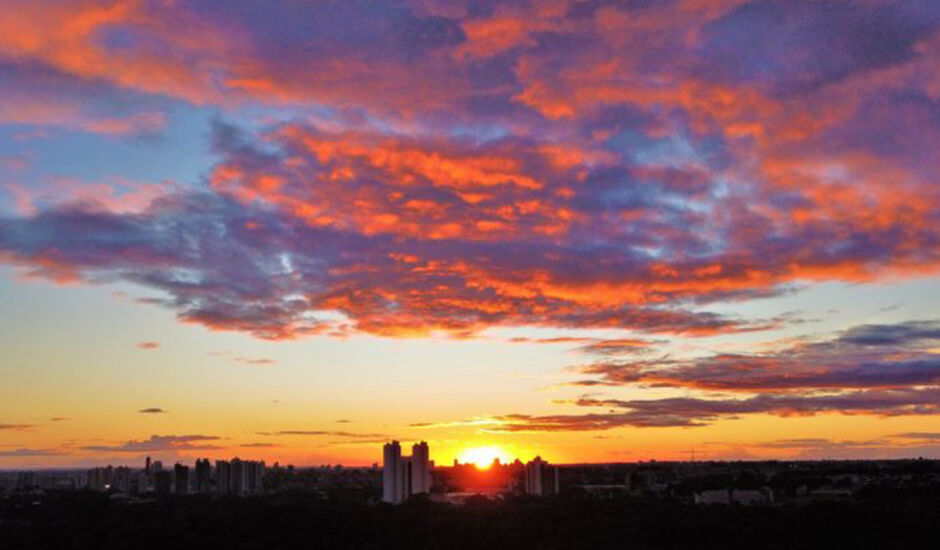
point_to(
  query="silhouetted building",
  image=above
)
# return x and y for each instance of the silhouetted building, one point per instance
(100, 479)
(155, 466)
(203, 475)
(239, 477)
(254, 474)
(744, 497)
(120, 479)
(162, 481)
(180, 479)
(26, 480)
(405, 476)
(142, 484)
(541, 478)
(223, 477)
(392, 489)
(420, 473)
(94, 479)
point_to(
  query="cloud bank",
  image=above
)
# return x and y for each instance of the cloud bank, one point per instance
(598, 165)
(451, 167)
(878, 370)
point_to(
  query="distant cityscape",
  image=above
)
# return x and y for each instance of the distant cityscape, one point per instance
(228, 477)
(401, 478)
(409, 501)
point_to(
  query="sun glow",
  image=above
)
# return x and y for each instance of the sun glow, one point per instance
(482, 457)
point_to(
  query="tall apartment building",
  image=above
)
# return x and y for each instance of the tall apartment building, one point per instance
(254, 474)
(162, 480)
(223, 476)
(541, 478)
(239, 477)
(180, 479)
(403, 476)
(203, 476)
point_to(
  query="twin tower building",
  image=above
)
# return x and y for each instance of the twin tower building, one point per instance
(403, 476)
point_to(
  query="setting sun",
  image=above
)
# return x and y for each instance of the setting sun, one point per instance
(482, 457)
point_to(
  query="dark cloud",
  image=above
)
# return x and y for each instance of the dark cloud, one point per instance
(333, 433)
(31, 452)
(551, 340)
(45, 97)
(17, 427)
(620, 346)
(693, 412)
(597, 346)
(879, 370)
(244, 360)
(901, 335)
(161, 443)
(867, 356)
(259, 361)
(186, 246)
(820, 443)
(375, 441)
(822, 448)
(918, 435)
(152, 410)
(795, 47)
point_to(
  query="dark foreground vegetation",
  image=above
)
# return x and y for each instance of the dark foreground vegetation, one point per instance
(881, 519)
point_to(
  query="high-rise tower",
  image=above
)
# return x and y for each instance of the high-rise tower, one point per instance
(392, 478)
(403, 476)
(541, 478)
(420, 469)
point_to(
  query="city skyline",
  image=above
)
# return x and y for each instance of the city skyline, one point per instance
(588, 231)
(400, 479)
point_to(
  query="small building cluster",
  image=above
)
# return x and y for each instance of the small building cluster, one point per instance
(118, 478)
(743, 497)
(228, 477)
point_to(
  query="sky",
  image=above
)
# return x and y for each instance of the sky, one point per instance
(589, 230)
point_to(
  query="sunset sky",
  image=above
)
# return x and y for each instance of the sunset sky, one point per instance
(595, 231)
